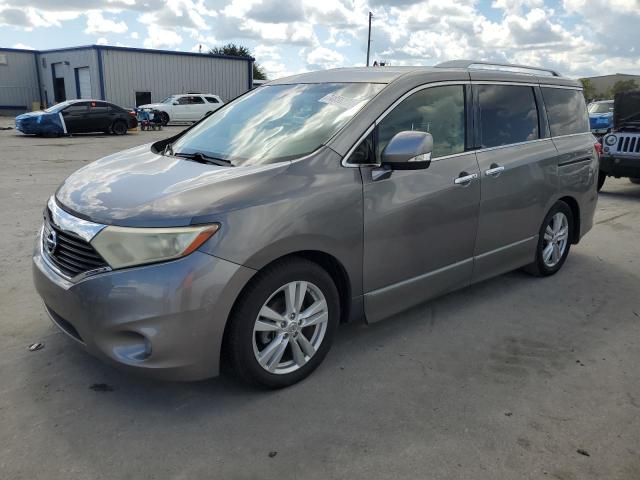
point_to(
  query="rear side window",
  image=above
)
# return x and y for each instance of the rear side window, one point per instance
(212, 99)
(567, 111)
(507, 115)
(196, 100)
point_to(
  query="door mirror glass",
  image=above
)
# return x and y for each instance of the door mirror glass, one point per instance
(176, 103)
(408, 150)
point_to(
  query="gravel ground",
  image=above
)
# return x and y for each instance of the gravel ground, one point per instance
(514, 378)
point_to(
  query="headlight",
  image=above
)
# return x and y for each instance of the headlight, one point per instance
(611, 140)
(123, 246)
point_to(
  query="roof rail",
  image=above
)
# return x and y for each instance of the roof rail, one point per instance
(480, 65)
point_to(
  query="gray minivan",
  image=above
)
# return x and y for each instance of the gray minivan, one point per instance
(313, 200)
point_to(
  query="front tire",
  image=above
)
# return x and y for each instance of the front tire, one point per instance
(635, 180)
(164, 117)
(283, 325)
(554, 241)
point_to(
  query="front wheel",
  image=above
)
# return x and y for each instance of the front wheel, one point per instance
(164, 118)
(554, 241)
(283, 325)
(635, 180)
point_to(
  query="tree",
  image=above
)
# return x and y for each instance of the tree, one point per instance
(234, 50)
(623, 86)
(588, 89)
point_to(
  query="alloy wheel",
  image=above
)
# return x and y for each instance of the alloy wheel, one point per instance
(556, 237)
(290, 327)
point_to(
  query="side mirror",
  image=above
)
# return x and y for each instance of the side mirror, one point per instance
(176, 103)
(409, 150)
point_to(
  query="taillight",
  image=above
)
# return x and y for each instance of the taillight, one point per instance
(132, 113)
(598, 147)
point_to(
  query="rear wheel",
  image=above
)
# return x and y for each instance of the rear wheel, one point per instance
(635, 180)
(119, 127)
(164, 117)
(601, 178)
(554, 241)
(283, 325)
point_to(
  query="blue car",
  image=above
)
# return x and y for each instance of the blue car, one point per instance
(601, 117)
(77, 116)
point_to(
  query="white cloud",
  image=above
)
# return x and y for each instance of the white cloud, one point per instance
(97, 24)
(324, 58)
(158, 37)
(135, 35)
(102, 41)
(22, 46)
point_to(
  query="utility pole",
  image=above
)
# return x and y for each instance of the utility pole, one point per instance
(369, 38)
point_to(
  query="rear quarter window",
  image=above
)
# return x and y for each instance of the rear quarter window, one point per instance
(566, 110)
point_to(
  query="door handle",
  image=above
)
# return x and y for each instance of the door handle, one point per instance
(465, 179)
(494, 171)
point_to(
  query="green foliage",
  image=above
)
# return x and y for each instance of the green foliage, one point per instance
(623, 86)
(589, 90)
(234, 50)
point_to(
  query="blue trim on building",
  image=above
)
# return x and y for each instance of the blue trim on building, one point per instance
(250, 74)
(129, 49)
(13, 107)
(77, 77)
(100, 72)
(20, 50)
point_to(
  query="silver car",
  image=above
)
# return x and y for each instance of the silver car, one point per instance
(314, 200)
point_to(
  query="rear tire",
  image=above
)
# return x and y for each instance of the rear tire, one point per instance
(164, 116)
(601, 178)
(635, 180)
(119, 127)
(299, 341)
(554, 241)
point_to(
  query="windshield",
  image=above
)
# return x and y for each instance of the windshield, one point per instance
(277, 122)
(601, 107)
(57, 107)
(169, 99)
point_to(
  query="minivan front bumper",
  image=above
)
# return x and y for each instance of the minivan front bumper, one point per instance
(163, 320)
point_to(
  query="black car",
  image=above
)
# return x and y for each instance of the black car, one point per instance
(77, 116)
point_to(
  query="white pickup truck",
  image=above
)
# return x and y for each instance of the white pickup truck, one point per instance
(187, 107)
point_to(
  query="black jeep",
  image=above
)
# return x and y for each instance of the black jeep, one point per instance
(621, 147)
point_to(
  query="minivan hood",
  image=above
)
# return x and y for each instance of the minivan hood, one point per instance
(139, 188)
(153, 105)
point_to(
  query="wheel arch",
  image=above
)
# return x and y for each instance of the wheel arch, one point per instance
(328, 262)
(575, 211)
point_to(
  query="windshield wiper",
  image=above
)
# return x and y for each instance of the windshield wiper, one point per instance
(203, 158)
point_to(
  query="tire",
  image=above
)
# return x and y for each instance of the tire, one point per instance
(601, 178)
(164, 116)
(119, 127)
(635, 180)
(541, 268)
(250, 334)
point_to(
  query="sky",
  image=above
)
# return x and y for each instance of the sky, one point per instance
(576, 37)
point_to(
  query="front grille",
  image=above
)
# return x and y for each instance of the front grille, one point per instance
(72, 254)
(629, 144)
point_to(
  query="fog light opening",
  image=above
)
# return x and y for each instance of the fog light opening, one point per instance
(132, 346)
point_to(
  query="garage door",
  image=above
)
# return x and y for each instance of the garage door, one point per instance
(84, 82)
